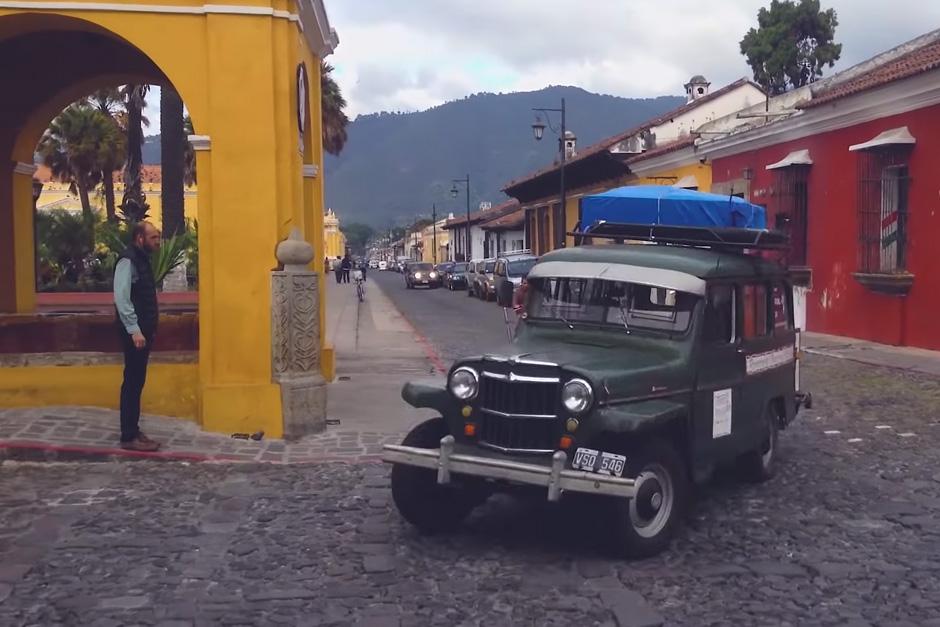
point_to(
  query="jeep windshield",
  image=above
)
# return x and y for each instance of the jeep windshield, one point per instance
(489, 267)
(521, 267)
(614, 304)
(459, 268)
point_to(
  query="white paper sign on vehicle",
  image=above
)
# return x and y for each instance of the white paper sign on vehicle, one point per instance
(721, 413)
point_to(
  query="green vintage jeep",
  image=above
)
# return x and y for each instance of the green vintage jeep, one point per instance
(636, 370)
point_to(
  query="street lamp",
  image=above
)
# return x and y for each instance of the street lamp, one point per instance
(453, 194)
(538, 129)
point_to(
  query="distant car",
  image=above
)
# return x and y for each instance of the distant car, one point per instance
(456, 277)
(374, 264)
(421, 273)
(513, 267)
(383, 265)
(471, 277)
(400, 263)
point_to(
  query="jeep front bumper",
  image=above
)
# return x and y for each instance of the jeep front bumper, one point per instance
(555, 477)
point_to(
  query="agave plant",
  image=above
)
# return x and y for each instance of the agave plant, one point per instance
(171, 254)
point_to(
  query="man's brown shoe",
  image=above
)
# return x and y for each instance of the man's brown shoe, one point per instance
(144, 438)
(137, 444)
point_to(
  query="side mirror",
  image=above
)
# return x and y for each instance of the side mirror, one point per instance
(504, 293)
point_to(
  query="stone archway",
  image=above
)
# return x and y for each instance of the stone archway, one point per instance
(235, 67)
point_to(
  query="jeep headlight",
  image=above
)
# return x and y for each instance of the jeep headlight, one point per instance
(417, 275)
(433, 275)
(464, 383)
(577, 396)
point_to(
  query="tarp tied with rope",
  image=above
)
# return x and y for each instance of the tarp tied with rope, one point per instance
(663, 205)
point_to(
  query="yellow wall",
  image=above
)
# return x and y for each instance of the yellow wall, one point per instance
(58, 193)
(428, 240)
(236, 74)
(100, 386)
(702, 172)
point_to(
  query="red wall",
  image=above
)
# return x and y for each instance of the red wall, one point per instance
(838, 304)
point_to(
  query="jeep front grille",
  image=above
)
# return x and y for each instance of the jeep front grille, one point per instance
(519, 413)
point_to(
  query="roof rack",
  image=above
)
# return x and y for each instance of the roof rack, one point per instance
(729, 238)
(523, 251)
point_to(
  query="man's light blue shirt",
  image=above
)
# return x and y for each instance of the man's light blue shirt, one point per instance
(124, 275)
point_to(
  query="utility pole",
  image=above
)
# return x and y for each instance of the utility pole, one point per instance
(434, 231)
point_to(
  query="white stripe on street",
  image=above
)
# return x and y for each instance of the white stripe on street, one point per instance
(832, 432)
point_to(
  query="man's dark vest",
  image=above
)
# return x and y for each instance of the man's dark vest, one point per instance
(143, 290)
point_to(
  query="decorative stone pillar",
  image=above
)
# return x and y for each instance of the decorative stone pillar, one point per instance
(295, 339)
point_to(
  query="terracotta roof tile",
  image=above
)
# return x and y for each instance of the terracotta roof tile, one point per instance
(509, 222)
(490, 214)
(915, 62)
(607, 143)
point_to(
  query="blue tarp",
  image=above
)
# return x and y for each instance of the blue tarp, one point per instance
(658, 204)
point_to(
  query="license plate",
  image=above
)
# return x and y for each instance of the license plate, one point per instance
(589, 460)
(585, 459)
(612, 464)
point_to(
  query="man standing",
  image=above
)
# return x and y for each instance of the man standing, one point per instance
(135, 298)
(347, 266)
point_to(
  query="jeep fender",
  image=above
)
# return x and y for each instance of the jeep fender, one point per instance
(640, 417)
(429, 395)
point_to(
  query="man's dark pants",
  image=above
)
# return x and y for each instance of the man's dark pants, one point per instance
(135, 375)
(345, 275)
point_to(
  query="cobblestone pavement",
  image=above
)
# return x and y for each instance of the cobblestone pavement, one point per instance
(82, 432)
(847, 534)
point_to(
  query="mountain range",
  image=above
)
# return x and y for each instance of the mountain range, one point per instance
(395, 166)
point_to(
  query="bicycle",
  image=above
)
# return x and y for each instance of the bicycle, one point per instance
(360, 285)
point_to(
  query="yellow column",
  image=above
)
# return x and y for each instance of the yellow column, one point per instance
(238, 394)
(17, 242)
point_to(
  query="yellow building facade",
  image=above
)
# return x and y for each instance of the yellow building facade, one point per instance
(249, 74)
(432, 236)
(334, 241)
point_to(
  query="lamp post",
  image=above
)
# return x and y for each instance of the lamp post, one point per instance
(453, 194)
(538, 129)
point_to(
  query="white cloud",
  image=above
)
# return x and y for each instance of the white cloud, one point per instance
(415, 54)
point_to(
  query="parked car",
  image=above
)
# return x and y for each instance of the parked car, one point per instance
(421, 273)
(513, 267)
(456, 277)
(374, 264)
(485, 281)
(400, 263)
(383, 265)
(472, 276)
(636, 371)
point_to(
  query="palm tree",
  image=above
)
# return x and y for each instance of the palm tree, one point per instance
(76, 146)
(189, 155)
(109, 102)
(332, 104)
(173, 156)
(134, 204)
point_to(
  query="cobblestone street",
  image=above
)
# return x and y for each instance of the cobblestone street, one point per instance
(847, 534)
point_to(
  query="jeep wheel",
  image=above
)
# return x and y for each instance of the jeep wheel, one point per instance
(429, 506)
(644, 525)
(760, 464)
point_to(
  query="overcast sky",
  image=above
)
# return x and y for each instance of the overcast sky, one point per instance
(409, 55)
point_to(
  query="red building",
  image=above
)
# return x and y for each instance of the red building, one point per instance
(853, 173)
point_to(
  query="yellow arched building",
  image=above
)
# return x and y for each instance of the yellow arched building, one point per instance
(249, 74)
(334, 242)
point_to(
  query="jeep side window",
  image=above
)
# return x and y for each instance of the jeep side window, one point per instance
(720, 314)
(756, 311)
(781, 305)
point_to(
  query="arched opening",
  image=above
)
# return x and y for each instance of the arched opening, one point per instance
(57, 245)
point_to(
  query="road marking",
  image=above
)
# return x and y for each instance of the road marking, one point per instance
(883, 427)
(833, 432)
(854, 440)
(908, 435)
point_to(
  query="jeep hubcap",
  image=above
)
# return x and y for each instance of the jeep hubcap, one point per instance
(651, 508)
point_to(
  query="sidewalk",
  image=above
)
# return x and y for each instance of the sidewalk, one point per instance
(377, 351)
(898, 357)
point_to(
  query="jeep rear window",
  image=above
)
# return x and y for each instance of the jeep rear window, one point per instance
(610, 303)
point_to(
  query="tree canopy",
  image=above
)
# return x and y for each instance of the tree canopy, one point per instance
(357, 234)
(792, 44)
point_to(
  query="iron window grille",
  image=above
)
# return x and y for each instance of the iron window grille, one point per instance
(792, 215)
(883, 210)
